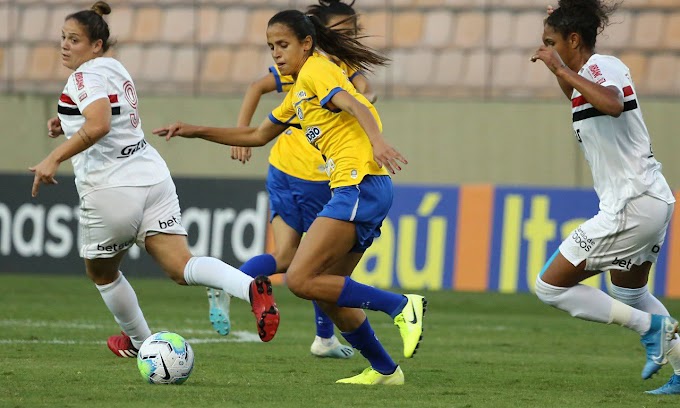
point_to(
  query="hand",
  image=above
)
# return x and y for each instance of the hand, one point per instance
(550, 57)
(54, 128)
(44, 173)
(176, 129)
(386, 155)
(240, 153)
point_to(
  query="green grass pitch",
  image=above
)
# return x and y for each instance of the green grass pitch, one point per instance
(479, 350)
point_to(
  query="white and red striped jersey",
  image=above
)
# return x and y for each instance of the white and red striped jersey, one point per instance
(618, 150)
(122, 157)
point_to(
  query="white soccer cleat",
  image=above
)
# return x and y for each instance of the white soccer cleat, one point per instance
(330, 348)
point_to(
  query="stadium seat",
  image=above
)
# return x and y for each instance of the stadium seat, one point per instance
(449, 68)
(257, 26)
(637, 62)
(529, 29)
(617, 35)
(437, 29)
(429, 2)
(662, 77)
(407, 28)
(178, 25)
(375, 25)
(671, 37)
(17, 61)
(33, 21)
(536, 76)
(475, 68)
(413, 68)
(648, 30)
(208, 24)
(507, 68)
(121, 22)
(131, 56)
(663, 3)
(216, 64)
(147, 25)
(4, 67)
(184, 67)
(233, 25)
(501, 29)
(470, 29)
(41, 63)
(6, 17)
(248, 64)
(156, 65)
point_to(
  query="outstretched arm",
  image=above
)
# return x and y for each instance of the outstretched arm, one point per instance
(256, 89)
(238, 136)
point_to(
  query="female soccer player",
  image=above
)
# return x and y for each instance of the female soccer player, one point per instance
(126, 193)
(296, 182)
(346, 129)
(636, 202)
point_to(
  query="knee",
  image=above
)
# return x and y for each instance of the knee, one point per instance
(175, 269)
(547, 293)
(299, 285)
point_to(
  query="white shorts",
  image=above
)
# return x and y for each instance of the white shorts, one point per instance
(630, 237)
(112, 219)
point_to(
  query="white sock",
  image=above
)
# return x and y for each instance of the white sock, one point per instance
(588, 303)
(121, 300)
(640, 298)
(211, 272)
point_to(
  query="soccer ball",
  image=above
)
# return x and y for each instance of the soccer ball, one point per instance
(165, 358)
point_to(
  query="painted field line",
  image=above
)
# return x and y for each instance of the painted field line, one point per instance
(84, 325)
(240, 336)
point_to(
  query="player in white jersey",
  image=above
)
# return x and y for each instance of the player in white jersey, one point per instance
(636, 203)
(126, 193)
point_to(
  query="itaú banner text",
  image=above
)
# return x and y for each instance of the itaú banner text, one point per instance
(489, 238)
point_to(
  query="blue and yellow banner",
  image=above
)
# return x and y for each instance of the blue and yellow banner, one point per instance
(488, 238)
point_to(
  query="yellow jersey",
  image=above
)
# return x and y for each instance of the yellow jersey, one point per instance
(291, 153)
(342, 141)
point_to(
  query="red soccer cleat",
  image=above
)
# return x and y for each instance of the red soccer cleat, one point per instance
(121, 346)
(264, 307)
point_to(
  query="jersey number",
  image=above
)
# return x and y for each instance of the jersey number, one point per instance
(131, 97)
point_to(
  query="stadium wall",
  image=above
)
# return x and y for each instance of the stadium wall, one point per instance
(446, 142)
(466, 238)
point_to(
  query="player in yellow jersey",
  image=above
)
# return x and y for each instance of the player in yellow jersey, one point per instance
(296, 182)
(346, 129)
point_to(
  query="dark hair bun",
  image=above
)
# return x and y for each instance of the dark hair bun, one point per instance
(102, 8)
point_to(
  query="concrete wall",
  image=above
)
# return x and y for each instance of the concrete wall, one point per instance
(446, 142)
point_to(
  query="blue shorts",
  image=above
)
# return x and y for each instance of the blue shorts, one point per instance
(366, 205)
(295, 200)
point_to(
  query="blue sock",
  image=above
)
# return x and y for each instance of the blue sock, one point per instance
(364, 340)
(264, 264)
(355, 294)
(324, 325)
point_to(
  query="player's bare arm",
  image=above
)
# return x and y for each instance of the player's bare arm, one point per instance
(256, 89)
(383, 153)
(240, 136)
(608, 100)
(97, 125)
(364, 87)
